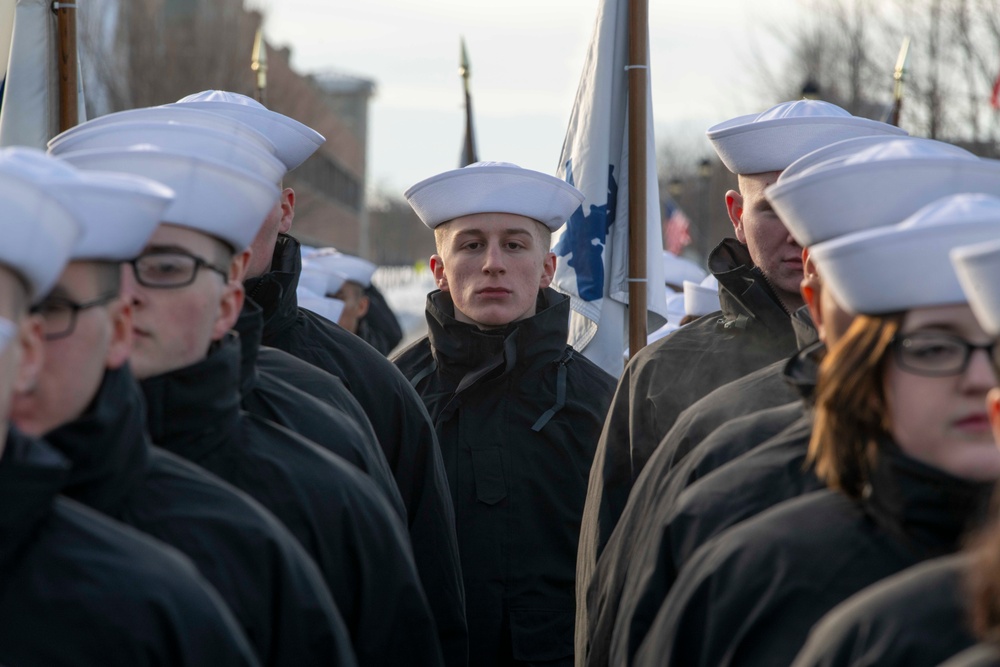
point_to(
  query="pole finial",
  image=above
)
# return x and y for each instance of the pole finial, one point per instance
(258, 64)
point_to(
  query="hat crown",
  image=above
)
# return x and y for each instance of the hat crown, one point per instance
(222, 96)
(960, 209)
(802, 109)
(35, 165)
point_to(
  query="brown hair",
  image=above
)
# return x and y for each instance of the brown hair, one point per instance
(851, 408)
(983, 578)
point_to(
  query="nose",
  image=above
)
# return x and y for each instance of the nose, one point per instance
(493, 260)
(981, 373)
(131, 291)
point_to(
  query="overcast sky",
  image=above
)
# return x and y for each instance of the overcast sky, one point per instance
(526, 59)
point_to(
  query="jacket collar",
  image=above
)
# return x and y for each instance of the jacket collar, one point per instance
(31, 474)
(468, 352)
(746, 297)
(274, 291)
(108, 445)
(250, 327)
(196, 409)
(929, 509)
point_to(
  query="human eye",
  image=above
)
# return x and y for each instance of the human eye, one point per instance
(933, 348)
(165, 267)
(53, 308)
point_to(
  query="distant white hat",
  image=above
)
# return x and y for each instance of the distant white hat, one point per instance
(494, 187)
(346, 267)
(678, 269)
(701, 298)
(210, 197)
(319, 279)
(906, 266)
(978, 269)
(38, 231)
(323, 306)
(175, 115)
(880, 185)
(295, 142)
(229, 147)
(772, 140)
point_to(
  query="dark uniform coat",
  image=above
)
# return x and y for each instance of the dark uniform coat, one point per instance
(336, 513)
(751, 595)
(917, 618)
(401, 423)
(379, 327)
(624, 567)
(753, 330)
(337, 425)
(518, 414)
(79, 589)
(262, 573)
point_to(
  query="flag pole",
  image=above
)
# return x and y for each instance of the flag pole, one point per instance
(638, 78)
(69, 109)
(469, 156)
(899, 76)
(258, 63)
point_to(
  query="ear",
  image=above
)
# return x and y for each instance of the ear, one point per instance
(230, 306)
(121, 334)
(993, 410)
(437, 268)
(363, 303)
(287, 210)
(31, 352)
(240, 264)
(734, 206)
(548, 270)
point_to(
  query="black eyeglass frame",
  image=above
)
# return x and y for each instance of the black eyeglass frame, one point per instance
(199, 263)
(899, 341)
(74, 311)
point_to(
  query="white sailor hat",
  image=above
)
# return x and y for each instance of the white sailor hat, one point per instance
(701, 298)
(117, 212)
(904, 266)
(209, 196)
(295, 142)
(38, 231)
(229, 147)
(772, 140)
(978, 269)
(675, 308)
(173, 115)
(348, 267)
(319, 279)
(494, 187)
(323, 306)
(877, 186)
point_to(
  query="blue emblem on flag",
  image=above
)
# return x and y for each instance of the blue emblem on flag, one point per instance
(585, 237)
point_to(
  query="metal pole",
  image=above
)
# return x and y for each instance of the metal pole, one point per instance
(638, 78)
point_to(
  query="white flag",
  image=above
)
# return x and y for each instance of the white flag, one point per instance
(592, 249)
(29, 111)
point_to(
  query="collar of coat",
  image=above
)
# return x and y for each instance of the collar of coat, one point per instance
(463, 350)
(32, 472)
(195, 410)
(745, 296)
(108, 445)
(274, 291)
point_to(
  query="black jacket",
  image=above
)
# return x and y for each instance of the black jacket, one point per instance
(751, 595)
(518, 413)
(751, 331)
(79, 589)
(917, 618)
(336, 513)
(330, 417)
(401, 423)
(269, 583)
(625, 565)
(379, 327)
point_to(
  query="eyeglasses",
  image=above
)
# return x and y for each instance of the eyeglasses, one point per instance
(170, 269)
(59, 315)
(937, 354)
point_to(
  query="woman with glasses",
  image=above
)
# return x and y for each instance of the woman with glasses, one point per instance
(901, 440)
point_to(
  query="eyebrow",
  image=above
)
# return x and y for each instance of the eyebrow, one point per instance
(167, 248)
(510, 231)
